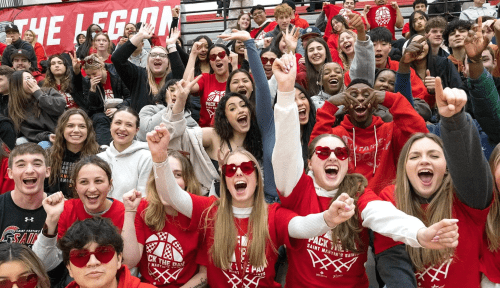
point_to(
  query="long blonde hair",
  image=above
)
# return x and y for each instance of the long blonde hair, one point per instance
(154, 88)
(342, 55)
(440, 207)
(155, 214)
(225, 231)
(35, 37)
(492, 226)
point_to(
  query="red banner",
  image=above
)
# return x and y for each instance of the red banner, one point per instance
(58, 24)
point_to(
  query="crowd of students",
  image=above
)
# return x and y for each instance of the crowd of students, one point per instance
(319, 146)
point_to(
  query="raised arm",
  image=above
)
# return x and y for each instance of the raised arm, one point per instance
(363, 64)
(166, 185)
(189, 72)
(176, 64)
(287, 160)
(132, 249)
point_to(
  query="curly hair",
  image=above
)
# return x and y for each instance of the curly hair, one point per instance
(50, 79)
(253, 139)
(452, 26)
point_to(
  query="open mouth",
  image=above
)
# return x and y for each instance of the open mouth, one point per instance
(93, 198)
(242, 91)
(333, 81)
(30, 181)
(425, 176)
(240, 186)
(121, 135)
(347, 45)
(302, 114)
(332, 171)
(360, 111)
(219, 65)
(157, 64)
(378, 56)
(243, 120)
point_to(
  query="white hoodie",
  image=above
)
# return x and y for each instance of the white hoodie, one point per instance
(130, 168)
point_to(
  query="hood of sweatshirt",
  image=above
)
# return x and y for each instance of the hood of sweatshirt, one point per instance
(125, 279)
(136, 146)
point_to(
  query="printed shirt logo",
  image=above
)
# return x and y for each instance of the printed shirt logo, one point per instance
(212, 101)
(252, 275)
(70, 102)
(165, 258)
(325, 258)
(29, 219)
(13, 234)
(344, 13)
(382, 16)
(434, 274)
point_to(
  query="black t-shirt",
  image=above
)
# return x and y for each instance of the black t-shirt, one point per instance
(19, 225)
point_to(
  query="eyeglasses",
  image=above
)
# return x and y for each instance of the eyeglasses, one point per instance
(246, 167)
(221, 55)
(81, 257)
(265, 60)
(156, 54)
(27, 281)
(324, 152)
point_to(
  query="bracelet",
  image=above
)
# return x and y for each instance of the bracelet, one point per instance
(170, 46)
(474, 61)
(131, 210)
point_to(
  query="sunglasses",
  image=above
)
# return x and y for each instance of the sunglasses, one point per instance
(27, 281)
(265, 60)
(81, 257)
(324, 152)
(221, 54)
(246, 167)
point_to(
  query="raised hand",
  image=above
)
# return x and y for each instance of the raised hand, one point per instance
(54, 205)
(475, 43)
(449, 101)
(176, 11)
(344, 98)
(32, 85)
(291, 37)
(8, 41)
(236, 34)
(267, 41)
(356, 22)
(196, 48)
(234, 59)
(366, 9)
(285, 72)
(173, 36)
(394, 5)
(146, 31)
(77, 66)
(184, 87)
(123, 40)
(441, 235)
(158, 141)
(376, 97)
(339, 211)
(430, 82)
(131, 200)
(413, 50)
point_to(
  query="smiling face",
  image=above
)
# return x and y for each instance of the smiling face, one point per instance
(28, 172)
(259, 16)
(456, 39)
(220, 66)
(241, 186)
(337, 26)
(268, 67)
(244, 22)
(283, 22)
(96, 274)
(158, 61)
(303, 105)
(101, 43)
(349, 4)
(346, 43)
(425, 167)
(419, 22)
(92, 186)
(361, 115)
(328, 173)
(123, 129)
(240, 83)
(316, 54)
(435, 36)
(57, 67)
(333, 78)
(75, 132)
(239, 47)
(129, 28)
(385, 81)
(382, 50)
(238, 114)
(204, 50)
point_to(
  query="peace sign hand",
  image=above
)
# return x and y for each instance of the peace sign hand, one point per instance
(476, 42)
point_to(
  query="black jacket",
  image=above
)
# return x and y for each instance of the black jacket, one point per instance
(93, 100)
(19, 44)
(136, 78)
(446, 70)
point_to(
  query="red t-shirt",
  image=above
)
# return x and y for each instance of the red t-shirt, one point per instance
(169, 256)
(462, 270)
(330, 11)
(211, 92)
(7, 183)
(406, 29)
(490, 263)
(316, 264)
(74, 210)
(241, 273)
(108, 90)
(382, 16)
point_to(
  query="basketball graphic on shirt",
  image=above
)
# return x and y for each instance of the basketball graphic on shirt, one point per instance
(383, 16)
(435, 273)
(213, 100)
(165, 257)
(344, 13)
(249, 280)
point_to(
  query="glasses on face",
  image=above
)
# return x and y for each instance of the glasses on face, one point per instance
(81, 257)
(157, 54)
(26, 281)
(246, 167)
(221, 55)
(265, 60)
(324, 152)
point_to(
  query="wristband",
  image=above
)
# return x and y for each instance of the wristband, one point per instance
(170, 46)
(474, 61)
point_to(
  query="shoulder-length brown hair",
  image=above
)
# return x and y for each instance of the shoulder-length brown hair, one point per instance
(353, 184)
(492, 226)
(50, 79)
(225, 231)
(408, 201)
(11, 252)
(20, 99)
(155, 214)
(56, 152)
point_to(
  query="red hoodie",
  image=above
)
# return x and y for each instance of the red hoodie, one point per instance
(381, 141)
(125, 280)
(299, 22)
(418, 89)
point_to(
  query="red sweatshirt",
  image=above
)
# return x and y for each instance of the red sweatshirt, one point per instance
(125, 280)
(418, 89)
(299, 22)
(7, 184)
(330, 12)
(380, 143)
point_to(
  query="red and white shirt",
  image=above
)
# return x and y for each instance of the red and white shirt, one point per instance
(382, 16)
(211, 92)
